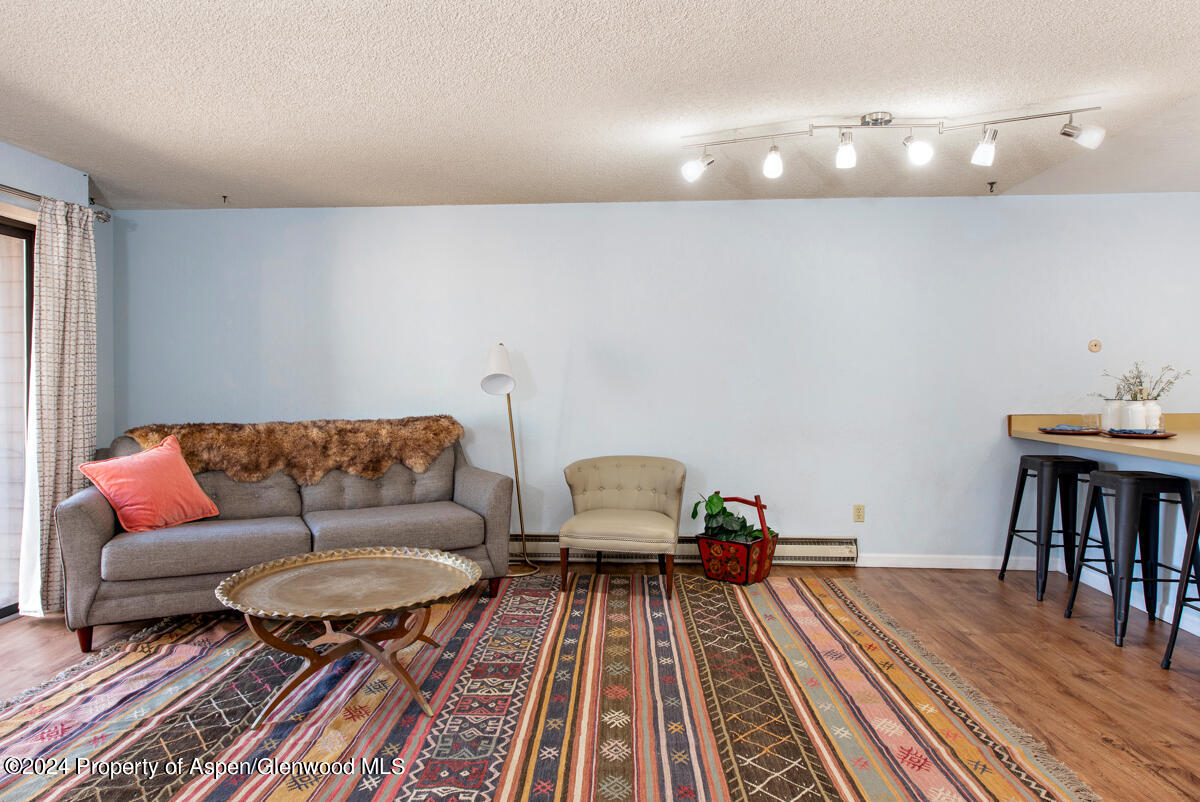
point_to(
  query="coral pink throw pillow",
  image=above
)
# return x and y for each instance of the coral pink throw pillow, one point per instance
(152, 489)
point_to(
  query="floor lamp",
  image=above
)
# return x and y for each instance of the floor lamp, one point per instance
(498, 380)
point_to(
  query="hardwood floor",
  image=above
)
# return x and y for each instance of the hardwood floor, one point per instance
(1127, 727)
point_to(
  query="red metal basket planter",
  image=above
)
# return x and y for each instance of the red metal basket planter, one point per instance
(733, 561)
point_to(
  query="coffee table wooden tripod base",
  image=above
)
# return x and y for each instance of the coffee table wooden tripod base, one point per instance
(348, 585)
(411, 628)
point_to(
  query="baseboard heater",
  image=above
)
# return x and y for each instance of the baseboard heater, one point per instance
(789, 550)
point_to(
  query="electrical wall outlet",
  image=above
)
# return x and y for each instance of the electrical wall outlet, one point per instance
(860, 513)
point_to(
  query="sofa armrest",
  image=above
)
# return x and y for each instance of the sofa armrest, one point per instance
(85, 522)
(489, 495)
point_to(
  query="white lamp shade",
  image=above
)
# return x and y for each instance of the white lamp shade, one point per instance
(846, 157)
(497, 376)
(773, 164)
(985, 151)
(919, 151)
(1090, 136)
(984, 155)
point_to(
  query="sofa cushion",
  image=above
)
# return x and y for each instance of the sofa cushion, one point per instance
(123, 446)
(619, 530)
(277, 496)
(434, 525)
(152, 489)
(202, 547)
(339, 490)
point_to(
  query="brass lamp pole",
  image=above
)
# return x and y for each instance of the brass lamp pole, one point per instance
(498, 380)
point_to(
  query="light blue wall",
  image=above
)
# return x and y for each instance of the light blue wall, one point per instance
(21, 169)
(820, 352)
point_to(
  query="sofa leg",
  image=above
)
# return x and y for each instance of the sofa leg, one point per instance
(669, 559)
(563, 554)
(662, 564)
(494, 586)
(85, 638)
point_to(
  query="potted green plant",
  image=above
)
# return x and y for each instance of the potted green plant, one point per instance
(731, 548)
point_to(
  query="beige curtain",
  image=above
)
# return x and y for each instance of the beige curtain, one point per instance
(61, 431)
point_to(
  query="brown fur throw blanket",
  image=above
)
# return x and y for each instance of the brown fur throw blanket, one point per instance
(307, 450)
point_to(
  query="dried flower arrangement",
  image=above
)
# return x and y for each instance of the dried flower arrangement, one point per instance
(1136, 384)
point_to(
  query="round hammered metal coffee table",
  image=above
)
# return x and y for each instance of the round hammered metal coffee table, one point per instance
(342, 585)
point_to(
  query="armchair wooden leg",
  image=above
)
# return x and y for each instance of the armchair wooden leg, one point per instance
(494, 586)
(562, 566)
(662, 564)
(85, 638)
(669, 559)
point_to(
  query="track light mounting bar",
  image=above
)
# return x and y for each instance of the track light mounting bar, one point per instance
(940, 126)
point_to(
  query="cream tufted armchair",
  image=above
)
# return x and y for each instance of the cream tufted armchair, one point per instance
(624, 504)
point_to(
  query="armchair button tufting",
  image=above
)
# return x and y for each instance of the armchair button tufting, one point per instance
(620, 488)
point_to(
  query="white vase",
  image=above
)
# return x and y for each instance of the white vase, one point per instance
(1153, 415)
(1111, 418)
(1135, 415)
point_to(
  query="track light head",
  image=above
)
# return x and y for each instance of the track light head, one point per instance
(846, 157)
(1089, 136)
(985, 151)
(919, 151)
(773, 164)
(695, 168)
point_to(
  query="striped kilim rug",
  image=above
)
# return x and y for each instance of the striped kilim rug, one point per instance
(787, 690)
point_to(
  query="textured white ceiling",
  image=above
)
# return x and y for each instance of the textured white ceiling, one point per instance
(314, 103)
(1160, 154)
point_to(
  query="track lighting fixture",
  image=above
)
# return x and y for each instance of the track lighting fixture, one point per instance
(695, 168)
(985, 151)
(846, 157)
(1089, 136)
(773, 164)
(919, 151)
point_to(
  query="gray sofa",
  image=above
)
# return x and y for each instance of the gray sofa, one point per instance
(113, 575)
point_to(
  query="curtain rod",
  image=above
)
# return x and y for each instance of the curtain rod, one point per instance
(103, 217)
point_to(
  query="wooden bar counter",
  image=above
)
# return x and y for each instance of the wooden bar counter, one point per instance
(1184, 447)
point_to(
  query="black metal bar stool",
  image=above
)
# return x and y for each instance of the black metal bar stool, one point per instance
(1136, 496)
(1191, 571)
(1056, 476)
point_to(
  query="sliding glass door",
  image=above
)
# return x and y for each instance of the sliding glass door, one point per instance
(16, 267)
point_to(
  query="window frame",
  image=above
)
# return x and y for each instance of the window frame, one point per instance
(19, 229)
